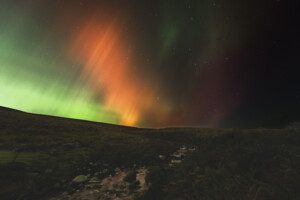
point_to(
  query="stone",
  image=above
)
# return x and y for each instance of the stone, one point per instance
(162, 157)
(80, 179)
(94, 180)
(176, 161)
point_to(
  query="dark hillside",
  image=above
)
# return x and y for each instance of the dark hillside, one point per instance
(40, 155)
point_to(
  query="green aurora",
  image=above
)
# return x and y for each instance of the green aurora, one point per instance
(36, 77)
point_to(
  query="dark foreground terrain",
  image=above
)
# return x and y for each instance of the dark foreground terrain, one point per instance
(45, 157)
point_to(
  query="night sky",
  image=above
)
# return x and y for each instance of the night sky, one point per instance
(153, 63)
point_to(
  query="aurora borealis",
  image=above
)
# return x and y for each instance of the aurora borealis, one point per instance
(151, 63)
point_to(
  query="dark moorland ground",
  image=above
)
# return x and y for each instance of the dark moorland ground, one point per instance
(41, 155)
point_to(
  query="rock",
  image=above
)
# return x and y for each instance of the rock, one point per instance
(176, 161)
(177, 155)
(80, 179)
(192, 149)
(94, 180)
(162, 157)
(183, 148)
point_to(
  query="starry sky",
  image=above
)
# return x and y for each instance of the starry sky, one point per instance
(158, 63)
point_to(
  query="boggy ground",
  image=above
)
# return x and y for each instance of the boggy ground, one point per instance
(41, 157)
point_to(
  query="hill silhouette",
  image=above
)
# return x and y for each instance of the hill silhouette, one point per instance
(44, 157)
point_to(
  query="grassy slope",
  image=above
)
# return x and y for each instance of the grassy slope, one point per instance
(39, 155)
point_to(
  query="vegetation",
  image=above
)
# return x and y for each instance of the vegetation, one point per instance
(254, 164)
(40, 155)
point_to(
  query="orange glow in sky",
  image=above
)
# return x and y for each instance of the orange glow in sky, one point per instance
(108, 65)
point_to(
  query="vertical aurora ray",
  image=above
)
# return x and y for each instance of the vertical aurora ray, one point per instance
(81, 70)
(108, 65)
(141, 63)
(36, 77)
